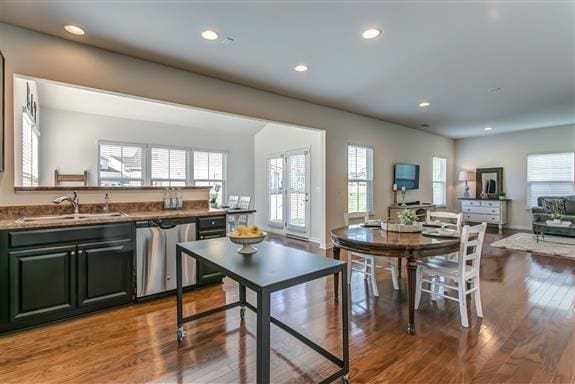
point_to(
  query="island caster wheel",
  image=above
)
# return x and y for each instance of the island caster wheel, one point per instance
(242, 313)
(345, 379)
(180, 333)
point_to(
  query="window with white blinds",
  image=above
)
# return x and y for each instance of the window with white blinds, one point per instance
(168, 166)
(30, 152)
(297, 190)
(121, 164)
(550, 174)
(359, 179)
(275, 191)
(439, 181)
(209, 170)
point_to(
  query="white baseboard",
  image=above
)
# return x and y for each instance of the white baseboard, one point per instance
(522, 227)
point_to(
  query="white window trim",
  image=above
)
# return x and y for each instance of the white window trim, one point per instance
(145, 166)
(529, 207)
(189, 153)
(442, 182)
(224, 181)
(369, 181)
(275, 224)
(147, 162)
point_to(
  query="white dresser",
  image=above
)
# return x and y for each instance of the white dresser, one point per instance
(489, 211)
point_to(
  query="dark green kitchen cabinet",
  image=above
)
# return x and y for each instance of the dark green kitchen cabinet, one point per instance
(51, 274)
(105, 272)
(42, 282)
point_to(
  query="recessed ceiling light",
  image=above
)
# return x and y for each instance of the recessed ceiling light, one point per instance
(487, 129)
(424, 104)
(371, 33)
(300, 68)
(74, 30)
(210, 35)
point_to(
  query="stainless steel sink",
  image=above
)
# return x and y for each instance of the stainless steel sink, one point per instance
(81, 216)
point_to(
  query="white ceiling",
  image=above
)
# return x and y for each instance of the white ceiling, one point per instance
(450, 53)
(78, 99)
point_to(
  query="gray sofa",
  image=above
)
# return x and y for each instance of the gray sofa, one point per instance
(540, 216)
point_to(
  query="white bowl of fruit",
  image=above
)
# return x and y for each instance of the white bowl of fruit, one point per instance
(247, 237)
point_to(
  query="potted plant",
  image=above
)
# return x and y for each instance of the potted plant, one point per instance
(407, 217)
(556, 217)
(501, 195)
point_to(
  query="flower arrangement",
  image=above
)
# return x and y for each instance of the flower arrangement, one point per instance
(407, 217)
(556, 216)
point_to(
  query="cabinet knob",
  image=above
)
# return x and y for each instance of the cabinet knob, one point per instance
(213, 223)
(169, 278)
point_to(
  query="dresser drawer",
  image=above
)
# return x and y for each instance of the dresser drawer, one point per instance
(482, 210)
(491, 203)
(478, 218)
(470, 203)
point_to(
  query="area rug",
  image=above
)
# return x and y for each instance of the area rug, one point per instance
(553, 245)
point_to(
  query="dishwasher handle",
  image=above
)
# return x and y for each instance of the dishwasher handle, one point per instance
(163, 224)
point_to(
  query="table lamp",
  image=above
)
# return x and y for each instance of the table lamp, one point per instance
(466, 176)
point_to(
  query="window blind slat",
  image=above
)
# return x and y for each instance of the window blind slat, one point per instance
(550, 174)
(121, 165)
(168, 166)
(360, 178)
(209, 170)
(439, 190)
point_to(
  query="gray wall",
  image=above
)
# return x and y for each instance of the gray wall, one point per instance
(510, 152)
(61, 128)
(38, 55)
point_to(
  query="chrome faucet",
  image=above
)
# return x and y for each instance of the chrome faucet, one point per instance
(75, 201)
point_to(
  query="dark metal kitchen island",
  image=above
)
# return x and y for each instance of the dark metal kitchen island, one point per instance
(272, 268)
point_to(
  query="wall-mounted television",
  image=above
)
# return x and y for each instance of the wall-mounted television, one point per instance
(406, 175)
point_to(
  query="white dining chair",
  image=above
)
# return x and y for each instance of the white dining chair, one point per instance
(244, 203)
(448, 219)
(365, 263)
(464, 270)
(233, 202)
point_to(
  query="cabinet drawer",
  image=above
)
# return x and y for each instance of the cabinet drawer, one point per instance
(491, 203)
(470, 203)
(212, 234)
(212, 222)
(478, 218)
(48, 236)
(482, 210)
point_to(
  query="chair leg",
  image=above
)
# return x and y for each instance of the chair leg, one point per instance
(373, 276)
(434, 288)
(477, 298)
(462, 303)
(418, 286)
(365, 266)
(393, 269)
(349, 266)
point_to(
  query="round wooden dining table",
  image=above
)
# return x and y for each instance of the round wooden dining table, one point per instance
(378, 242)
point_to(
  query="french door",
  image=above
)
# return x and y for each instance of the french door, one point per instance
(288, 192)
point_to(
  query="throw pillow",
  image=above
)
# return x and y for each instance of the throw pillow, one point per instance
(570, 207)
(554, 205)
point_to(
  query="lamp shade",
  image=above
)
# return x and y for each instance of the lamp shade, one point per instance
(466, 176)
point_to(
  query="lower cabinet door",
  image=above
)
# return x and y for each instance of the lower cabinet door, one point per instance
(105, 273)
(42, 284)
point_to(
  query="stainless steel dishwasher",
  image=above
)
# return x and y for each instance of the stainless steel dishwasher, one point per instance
(156, 254)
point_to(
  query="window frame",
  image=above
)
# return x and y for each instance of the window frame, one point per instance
(369, 178)
(188, 163)
(34, 178)
(224, 180)
(528, 183)
(281, 223)
(433, 181)
(145, 179)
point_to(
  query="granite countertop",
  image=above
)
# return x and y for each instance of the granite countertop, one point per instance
(12, 223)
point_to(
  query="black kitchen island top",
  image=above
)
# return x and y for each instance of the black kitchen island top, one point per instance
(272, 268)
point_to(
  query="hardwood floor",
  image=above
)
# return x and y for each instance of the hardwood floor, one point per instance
(526, 336)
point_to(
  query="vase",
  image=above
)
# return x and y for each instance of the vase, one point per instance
(556, 221)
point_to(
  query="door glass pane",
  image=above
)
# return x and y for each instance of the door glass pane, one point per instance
(275, 189)
(297, 192)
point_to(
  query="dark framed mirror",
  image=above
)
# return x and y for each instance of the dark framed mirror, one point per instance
(489, 182)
